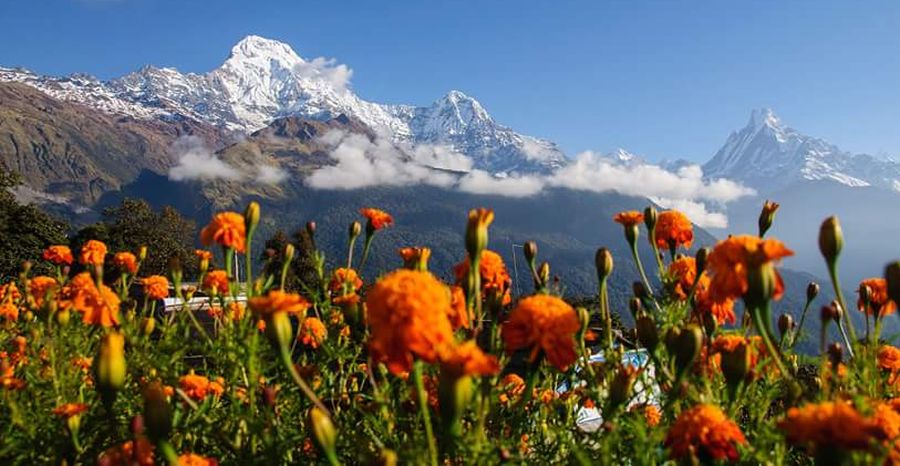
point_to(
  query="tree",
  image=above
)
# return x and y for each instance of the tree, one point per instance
(166, 233)
(25, 230)
(301, 275)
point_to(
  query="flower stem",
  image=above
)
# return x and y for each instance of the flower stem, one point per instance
(298, 379)
(423, 409)
(761, 320)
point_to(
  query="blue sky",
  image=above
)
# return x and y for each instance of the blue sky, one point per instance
(663, 79)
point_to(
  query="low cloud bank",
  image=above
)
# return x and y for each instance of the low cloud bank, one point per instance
(197, 162)
(362, 162)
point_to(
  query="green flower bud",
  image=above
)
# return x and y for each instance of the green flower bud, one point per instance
(831, 240)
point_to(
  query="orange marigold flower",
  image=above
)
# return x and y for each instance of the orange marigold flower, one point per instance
(629, 218)
(203, 254)
(279, 301)
(216, 281)
(889, 358)
(190, 459)
(10, 293)
(879, 302)
(683, 272)
(513, 386)
(156, 287)
(138, 452)
(704, 432)
(468, 359)
(344, 281)
(674, 229)
(312, 332)
(126, 262)
(731, 258)
(378, 219)
(652, 415)
(886, 420)
(9, 311)
(70, 409)
(830, 424)
(407, 315)
(198, 387)
(414, 256)
(93, 253)
(59, 255)
(226, 229)
(98, 305)
(495, 279)
(459, 309)
(545, 324)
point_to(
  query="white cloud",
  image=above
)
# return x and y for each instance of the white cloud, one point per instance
(197, 162)
(536, 150)
(361, 162)
(482, 182)
(696, 211)
(326, 69)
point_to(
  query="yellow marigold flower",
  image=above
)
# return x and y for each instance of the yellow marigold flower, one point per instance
(216, 281)
(59, 255)
(830, 424)
(704, 432)
(731, 258)
(126, 262)
(93, 253)
(312, 332)
(226, 229)
(344, 281)
(407, 315)
(137, 452)
(279, 301)
(545, 324)
(190, 459)
(468, 359)
(198, 387)
(629, 218)
(879, 302)
(156, 287)
(70, 409)
(495, 279)
(674, 229)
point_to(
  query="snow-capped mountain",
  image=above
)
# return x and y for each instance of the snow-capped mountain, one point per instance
(767, 155)
(264, 79)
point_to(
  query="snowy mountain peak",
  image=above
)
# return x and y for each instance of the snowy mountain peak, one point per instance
(767, 155)
(764, 117)
(256, 47)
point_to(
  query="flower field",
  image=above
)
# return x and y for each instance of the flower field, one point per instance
(102, 364)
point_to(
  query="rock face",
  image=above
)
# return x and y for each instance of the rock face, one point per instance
(263, 80)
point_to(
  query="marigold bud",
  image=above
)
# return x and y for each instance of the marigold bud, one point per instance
(454, 395)
(621, 386)
(311, 229)
(831, 240)
(604, 262)
(387, 457)
(635, 306)
(530, 249)
(639, 291)
(767, 216)
(148, 324)
(477, 230)
(289, 252)
(736, 364)
(812, 290)
(142, 253)
(157, 412)
(831, 312)
(785, 324)
(835, 354)
(279, 330)
(892, 275)
(323, 431)
(647, 333)
(251, 217)
(650, 217)
(684, 344)
(544, 273)
(700, 259)
(355, 230)
(761, 284)
(109, 368)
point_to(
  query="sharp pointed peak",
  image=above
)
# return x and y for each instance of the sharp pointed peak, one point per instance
(764, 116)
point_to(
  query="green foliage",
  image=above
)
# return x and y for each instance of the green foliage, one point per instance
(25, 230)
